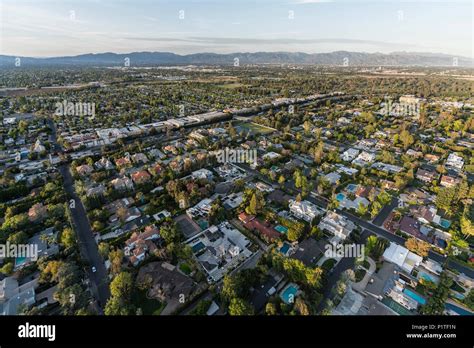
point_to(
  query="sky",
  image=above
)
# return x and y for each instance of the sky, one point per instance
(45, 28)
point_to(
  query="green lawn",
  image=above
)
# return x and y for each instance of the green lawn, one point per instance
(184, 267)
(359, 274)
(148, 306)
(255, 128)
(328, 264)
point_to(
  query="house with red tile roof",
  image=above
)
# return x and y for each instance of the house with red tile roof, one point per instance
(141, 177)
(123, 162)
(449, 181)
(254, 224)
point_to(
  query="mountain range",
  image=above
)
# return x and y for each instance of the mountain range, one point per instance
(337, 58)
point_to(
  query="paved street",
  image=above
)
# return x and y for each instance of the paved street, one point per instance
(385, 211)
(87, 244)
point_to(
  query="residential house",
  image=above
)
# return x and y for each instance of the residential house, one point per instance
(139, 158)
(37, 212)
(410, 226)
(425, 175)
(13, 295)
(123, 183)
(402, 257)
(140, 244)
(123, 162)
(254, 224)
(455, 161)
(349, 154)
(84, 170)
(155, 169)
(431, 158)
(336, 224)
(141, 177)
(202, 174)
(449, 181)
(304, 210)
(104, 163)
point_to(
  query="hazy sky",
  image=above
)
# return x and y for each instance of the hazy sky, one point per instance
(70, 27)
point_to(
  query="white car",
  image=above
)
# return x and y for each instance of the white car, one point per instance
(94, 269)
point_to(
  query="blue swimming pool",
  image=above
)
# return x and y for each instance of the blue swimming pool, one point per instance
(428, 277)
(351, 188)
(458, 310)
(284, 248)
(281, 229)
(414, 296)
(445, 223)
(20, 261)
(289, 294)
(340, 197)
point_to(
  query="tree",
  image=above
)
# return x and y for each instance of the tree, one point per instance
(436, 303)
(231, 287)
(71, 299)
(18, 238)
(122, 285)
(49, 271)
(301, 307)
(122, 213)
(467, 227)
(406, 138)
(318, 152)
(362, 209)
(239, 306)
(294, 234)
(370, 244)
(445, 199)
(376, 206)
(281, 180)
(115, 258)
(170, 233)
(271, 309)
(256, 204)
(417, 246)
(68, 238)
(104, 249)
(121, 289)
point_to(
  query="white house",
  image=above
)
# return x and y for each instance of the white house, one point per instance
(202, 174)
(349, 154)
(455, 161)
(402, 257)
(304, 210)
(337, 224)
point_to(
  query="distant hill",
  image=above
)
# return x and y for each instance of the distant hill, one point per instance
(167, 58)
